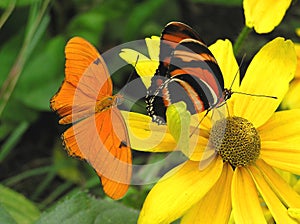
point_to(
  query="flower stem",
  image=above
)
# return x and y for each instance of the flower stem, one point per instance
(240, 39)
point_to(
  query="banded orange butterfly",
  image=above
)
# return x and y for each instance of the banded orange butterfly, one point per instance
(98, 133)
(187, 72)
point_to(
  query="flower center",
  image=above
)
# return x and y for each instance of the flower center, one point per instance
(236, 141)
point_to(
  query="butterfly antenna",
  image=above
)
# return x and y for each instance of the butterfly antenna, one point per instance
(128, 80)
(131, 73)
(193, 132)
(248, 94)
(237, 72)
(257, 95)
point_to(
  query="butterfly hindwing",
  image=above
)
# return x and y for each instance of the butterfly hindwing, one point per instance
(96, 140)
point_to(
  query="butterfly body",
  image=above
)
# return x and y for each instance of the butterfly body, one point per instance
(187, 72)
(98, 133)
(107, 103)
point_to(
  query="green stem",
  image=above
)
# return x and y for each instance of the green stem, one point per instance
(14, 74)
(59, 190)
(242, 36)
(39, 189)
(7, 13)
(13, 139)
(27, 174)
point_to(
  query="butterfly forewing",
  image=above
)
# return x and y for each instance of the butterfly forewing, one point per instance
(86, 80)
(194, 64)
(187, 72)
(171, 35)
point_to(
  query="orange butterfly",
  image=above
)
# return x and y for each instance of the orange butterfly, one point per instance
(98, 134)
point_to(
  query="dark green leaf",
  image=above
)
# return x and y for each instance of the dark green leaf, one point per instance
(8, 54)
(69, 169)
(82, 208)
(5, 3)
(139, 15)
(222, 2)
(20, 208)
(15, 112)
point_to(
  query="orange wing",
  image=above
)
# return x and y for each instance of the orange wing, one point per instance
(86, 80)
(98, 134)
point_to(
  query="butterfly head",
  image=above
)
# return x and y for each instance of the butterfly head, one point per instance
(118, 99)
(227, 93)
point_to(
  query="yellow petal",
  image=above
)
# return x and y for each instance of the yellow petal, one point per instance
(282, 126)
(297, 49)
(199, 148)
(144, 66)
(215, 207)
(264, 15)
(283, 190)
(292, 98)
(153, 44)
(298, 31)
(288, 177)
(269, 73)
(223, 52)
(145, 135)
(295, 213)
(282, 155)
(277, 209)
(178, 191)
(245, 203)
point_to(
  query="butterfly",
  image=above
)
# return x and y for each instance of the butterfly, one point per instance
(187, 72)
(98, 133)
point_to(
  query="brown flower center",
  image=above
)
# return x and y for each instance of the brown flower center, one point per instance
(236, 140)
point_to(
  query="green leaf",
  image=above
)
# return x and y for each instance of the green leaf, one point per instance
(89, 25)
(20, 208)
(222, 2)
(5, 3)
(141, 13)
(178, 121)
(15, 112)
(42, 75)
(5, 217)
(82, 208)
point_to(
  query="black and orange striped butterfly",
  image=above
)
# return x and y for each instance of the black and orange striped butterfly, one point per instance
(187, 72)
(98, 133)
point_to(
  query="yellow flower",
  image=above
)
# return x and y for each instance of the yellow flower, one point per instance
(144, 66)
(264, 15)
(230, 187)
(292, 98)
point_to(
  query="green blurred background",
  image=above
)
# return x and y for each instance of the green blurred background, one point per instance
(33, 34)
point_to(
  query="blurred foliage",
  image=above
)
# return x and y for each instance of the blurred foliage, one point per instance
(82, 208)
(33, 34)
(17, 206)
(222, 2)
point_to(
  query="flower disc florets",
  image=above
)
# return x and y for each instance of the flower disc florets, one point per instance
(236, 140)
